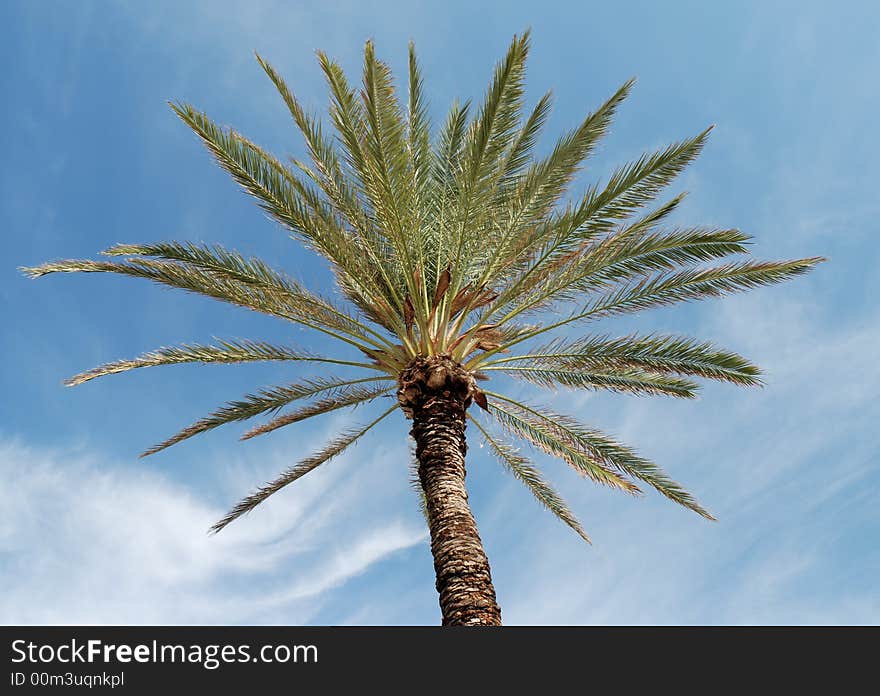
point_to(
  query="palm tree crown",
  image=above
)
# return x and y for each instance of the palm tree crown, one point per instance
(462, 246)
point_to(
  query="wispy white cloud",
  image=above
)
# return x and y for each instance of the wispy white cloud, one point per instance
(85, 540)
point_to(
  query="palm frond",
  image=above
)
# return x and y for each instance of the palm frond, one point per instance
(386, 156)
(420, 153)
(383, 244)
(621, 380)
(630, 253)
(332, 449)
(541, 432)
(526, 223)
(176, 276)
(629, 188)
(523, 470)
(348, 117)
(626, 255)
(670, 288)
(693, 284)
(266, 400)
(490, 135)
(289, 200)
(520, 152)
(445, 174)
(276, 189)
(342, 398)
(494, 128)
(256, 297)
(523, 227)
(652, 352)
(252, 271)
(610, 454)
(346, 201)
(367, 129)
(233, 351)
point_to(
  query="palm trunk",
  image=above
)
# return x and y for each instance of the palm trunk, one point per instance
(436, 392)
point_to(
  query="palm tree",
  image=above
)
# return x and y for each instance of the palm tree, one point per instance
(460, 257)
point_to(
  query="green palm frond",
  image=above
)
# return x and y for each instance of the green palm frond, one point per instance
(520, 151)
(347, 202)
(234, 351)
(176, 276)
(323, 155)
(547, 436)
(290, 201)
(348, 117)
(391, 177)
(332, 449)
(283, 303)
(230, 265)
(560, 270)
(652, 352)
(420, 154)
(630, 253)
(372, 138)
(266, 400)
(523, 470)
(442, 194)
(342, 398)
(594, 445)
(351, 121)
(489, 136)
(523, 224)
(694, 284)
(626, 254)
(622, 380)
(670, 288)
(276, 189)
(495, 125)
(628, 189)
(447, 162)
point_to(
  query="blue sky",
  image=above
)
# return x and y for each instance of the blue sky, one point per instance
(93, 156)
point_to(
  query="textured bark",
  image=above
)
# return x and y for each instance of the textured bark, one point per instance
(435, 392)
